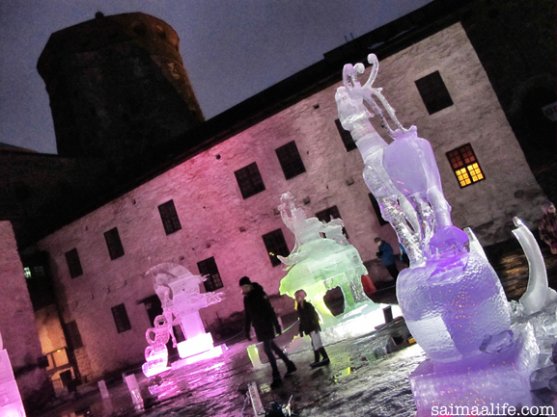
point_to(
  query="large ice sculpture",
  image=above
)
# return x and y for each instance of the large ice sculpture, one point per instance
(451, 297)
(321, 259)
(10, 399)
(181, 299)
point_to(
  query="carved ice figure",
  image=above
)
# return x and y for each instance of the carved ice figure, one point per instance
(451, 298)
(538, 295)
(442, 268)
(318, 264)
(181, 299)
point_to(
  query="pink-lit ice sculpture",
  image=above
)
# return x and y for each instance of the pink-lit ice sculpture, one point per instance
(10, 399)
(181, 299)
(451, 297)
(156, 353)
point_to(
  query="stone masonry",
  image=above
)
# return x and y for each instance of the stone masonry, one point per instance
(217, 222)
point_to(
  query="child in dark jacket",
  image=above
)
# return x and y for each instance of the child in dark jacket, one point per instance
(309, 324)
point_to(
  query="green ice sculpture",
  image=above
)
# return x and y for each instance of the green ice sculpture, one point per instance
(322, 259)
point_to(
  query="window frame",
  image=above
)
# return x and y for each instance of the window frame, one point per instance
(169, 217)
(249, 180)
(73, 262)
(121, 318)
(275, 244)
(290, 160)
(434, 92)
(214, 279)
(114, 243)
(465, 165)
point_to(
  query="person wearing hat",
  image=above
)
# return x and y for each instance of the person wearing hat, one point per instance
(260, 314)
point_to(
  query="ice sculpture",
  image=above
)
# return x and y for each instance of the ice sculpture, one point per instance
(156, 353)
(451, 297)
(181, 299)
(319, 263)
(10, 399)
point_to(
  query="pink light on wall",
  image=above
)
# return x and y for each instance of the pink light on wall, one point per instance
(10, 399)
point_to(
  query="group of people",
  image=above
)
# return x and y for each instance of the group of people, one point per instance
(260, 314)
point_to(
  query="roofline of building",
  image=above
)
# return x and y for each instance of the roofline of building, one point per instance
(383, 41)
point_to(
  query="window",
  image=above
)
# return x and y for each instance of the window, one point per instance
(346, 137)
(290, 160)
(169, 217)
(250, 181)
(74, 337)
(434, 92)
(465, 165)
(377, 210)
(113, 243)
(121, 318)
(328, 214)
(208, 267)
(74, 265)
(276, 245)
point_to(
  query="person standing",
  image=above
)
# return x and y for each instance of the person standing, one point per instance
(309, 324)
(260, 314)
(387, 256)
(548, 227)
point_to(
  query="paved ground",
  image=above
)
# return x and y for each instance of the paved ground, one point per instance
(359, 381)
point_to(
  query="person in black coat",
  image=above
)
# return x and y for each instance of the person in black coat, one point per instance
(309, 324)
(260, 314)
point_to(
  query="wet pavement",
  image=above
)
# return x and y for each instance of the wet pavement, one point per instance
(360, 381)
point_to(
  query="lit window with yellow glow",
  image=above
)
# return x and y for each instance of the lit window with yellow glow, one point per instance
(465, 165)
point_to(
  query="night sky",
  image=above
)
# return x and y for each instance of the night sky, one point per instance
(232, 49)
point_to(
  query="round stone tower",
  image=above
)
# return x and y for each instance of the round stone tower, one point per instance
(117, 86)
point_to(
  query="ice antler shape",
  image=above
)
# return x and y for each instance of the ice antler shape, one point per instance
(538, 294)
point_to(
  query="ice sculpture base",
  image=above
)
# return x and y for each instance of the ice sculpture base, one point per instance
(214, 352)
(154, 368)
(10, 400)
(485, 381)
(195, 345)
(358, 322)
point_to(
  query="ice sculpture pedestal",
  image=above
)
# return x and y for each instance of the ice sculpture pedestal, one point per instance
(10, 400)
(477, 382)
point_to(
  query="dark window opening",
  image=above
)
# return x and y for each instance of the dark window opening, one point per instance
(74, 264)
(121, 318)
(290, 160)
(328, 214)
(346, 137)
(276, 245)
(74, 337)
(208, 268)
(249, 180)
(113, 243)
(465, 165)
(169, 217)
(434, 93)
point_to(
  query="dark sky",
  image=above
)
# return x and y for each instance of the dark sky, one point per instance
(232, 49)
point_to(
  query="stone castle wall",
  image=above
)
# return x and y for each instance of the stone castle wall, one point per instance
(217, 222)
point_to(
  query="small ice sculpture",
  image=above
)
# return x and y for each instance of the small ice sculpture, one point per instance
(156, 354)
(10, 399)
(321, 259)
(451, 297)
(181, 300)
